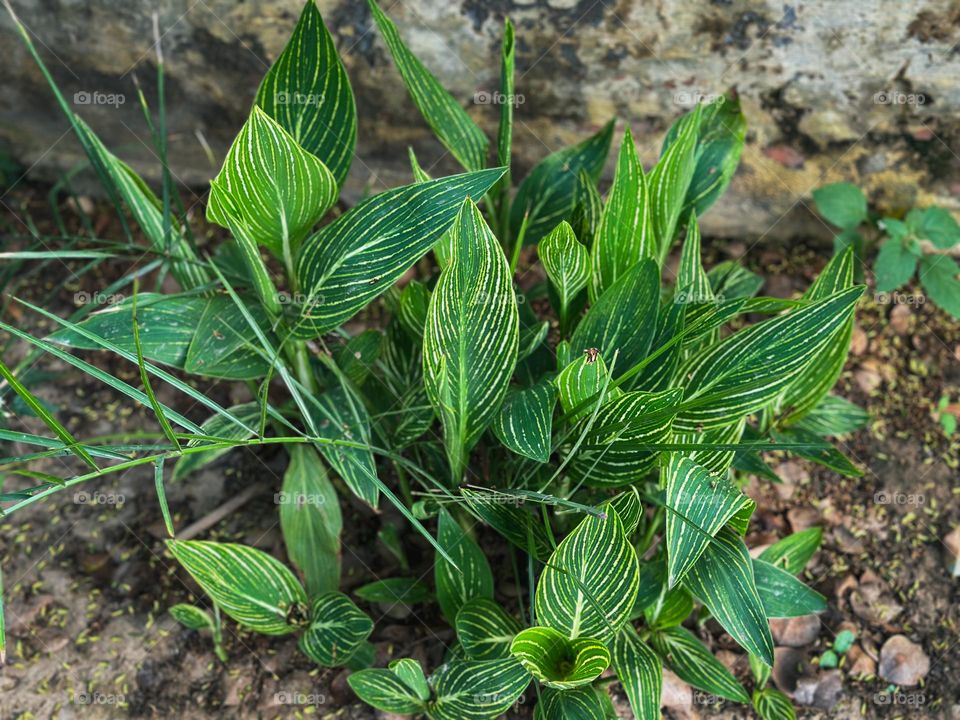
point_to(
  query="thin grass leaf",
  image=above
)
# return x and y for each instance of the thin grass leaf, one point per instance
(162, 496)
(148, 388)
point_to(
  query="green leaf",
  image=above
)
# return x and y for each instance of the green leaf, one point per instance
(525, 421)
(784, 596)
(192, 617)
(272, 185)
(894, 266)
(720, 139)
(337, 628)
(626, 234)
(310, 520)
(938, 275)
(347, 263)
(834, 416)
(450, 122)
(670, 608)
(384, 690)
(819, 451)
(357, 357)
(410, 672)
(699, 504)
(793, 552)
(616, 450)
(218, 426)
(471, 337)
(746, 370)
(590, 582)
(640, 673)
(514, 523)
(582, 703)
(693, 284)
(584, 378)
(505, 129)
(549, 192)
(394, 591)
(723, 580)
(624, 318)
(566, 263)
(694, 664)
(628, 506)
(557, 661)
(730, 281)
(842, 204)
(470, 578)
(588, 210)
(476, 689)
(485, 629)
(253, 588)
(936, 225)
(772, 704)
(223, 344)
(412, 311)
(670, 180)
(308, 93)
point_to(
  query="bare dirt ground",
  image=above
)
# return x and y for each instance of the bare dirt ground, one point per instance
(87, 580)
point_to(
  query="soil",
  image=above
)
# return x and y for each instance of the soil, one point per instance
(88, 582)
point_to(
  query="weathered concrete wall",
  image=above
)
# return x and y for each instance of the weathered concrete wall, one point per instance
(834, 89)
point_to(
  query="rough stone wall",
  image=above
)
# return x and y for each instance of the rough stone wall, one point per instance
(864, 90)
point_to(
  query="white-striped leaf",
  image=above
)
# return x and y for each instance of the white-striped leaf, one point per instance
(617, 448)
(811, 446)
(556, 660)
(771, 704)
(670, 180)
(694, 664)
(476, 689)
(220, 427)
(308, 92)
(366, 250)
(567, 264)
(626, 234)
(748, 369)
(384, 690)
(834, 416)
(582, 379)
(782, 595)
(590, 582)
(698, 505)
(310, 521)
(224, 345)
(273, 186)
(443, 248)
(253, 588)
(717, 461)
(410, 672)
(471, 578)
(549, 193)
(511, 521)
(450, 122)
(585, 219)
(624, 318)
(793, 552)
(471, 336)
(192, 617)
(525, 421)
(628, 506)
(582, 703)
(640, 672)
(337, 628)
(485, 629)
(723, 580)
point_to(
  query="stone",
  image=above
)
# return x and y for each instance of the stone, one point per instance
(801, 518)
(677, 696)
(860, 664)
(903, 662)
(951, 552)
(795, 632)
(821, 691)
(789, 665)
(858, 341)
(871, 602)
(901, 319)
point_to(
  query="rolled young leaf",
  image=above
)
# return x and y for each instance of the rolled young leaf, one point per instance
(566, 263)
(670, 181)
(557, 661)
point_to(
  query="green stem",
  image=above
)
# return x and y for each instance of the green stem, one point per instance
(518, 245)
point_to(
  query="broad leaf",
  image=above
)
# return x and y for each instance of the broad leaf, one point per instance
(670, 180)
(698, 505)
(723, 580)
(590, 582)
(384, 690)
(640, 672)
(476, 689)
(224, 345)
(894, 266)
(272, 185)
(584, 378)
(940, 277)
(450, 122)
(566, 263)
(514, 523)
(627, 505)
(470, 579)
(485, 629)
(694, 664)
(782, 595)
(582, 703)
(253, 588)
(394, 591)
(771, 704)
(626, 234)
(337, 628)
(794, 551)
(308, 93)
(363, 252)
(548, 194)
(192, 617)
(842, 204)
(834, 416)
(525, 421)
(471, 337)
(557, 661)
(310, 520)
